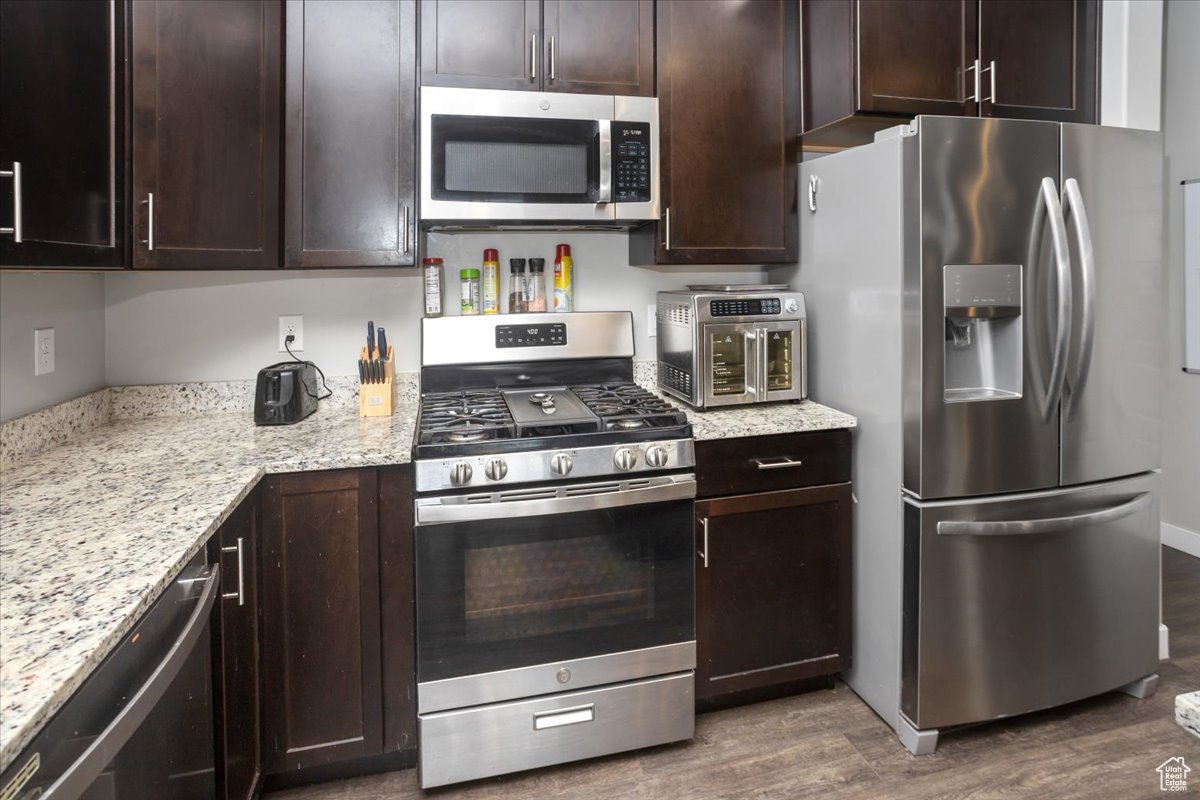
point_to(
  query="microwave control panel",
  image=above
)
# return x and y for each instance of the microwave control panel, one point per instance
(744, 307)
(552, 335)
(631, 161)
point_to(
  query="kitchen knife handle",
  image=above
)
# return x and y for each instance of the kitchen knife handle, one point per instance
(370, 340)
(383, 346)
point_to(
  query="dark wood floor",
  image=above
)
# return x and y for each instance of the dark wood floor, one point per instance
(829, 744)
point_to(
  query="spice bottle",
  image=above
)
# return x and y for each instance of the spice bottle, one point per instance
(516, 286)
(536, 291)
(431, 269)
(491, 281)
(563, 275)
(470, 291)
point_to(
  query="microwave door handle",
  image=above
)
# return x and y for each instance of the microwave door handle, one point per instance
(605, 157)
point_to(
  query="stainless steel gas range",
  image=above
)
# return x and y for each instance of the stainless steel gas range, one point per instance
(554, 547)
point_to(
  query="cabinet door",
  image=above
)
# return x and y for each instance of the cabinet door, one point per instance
(321, 622)
(206, 80)
(350, 149)
(772, 588)
(398, 592)
(1041, 57)
(481, 44)
(914, 57)
(599, 46)
(62, 67)
(240, 711)
(728, 98)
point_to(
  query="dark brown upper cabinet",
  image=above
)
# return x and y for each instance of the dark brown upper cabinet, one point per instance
(872, 64)
(728, 96)
(587, 46)
(349, 153)
(62, 134)
(1039, 59)
(321, 659)
(206, 83)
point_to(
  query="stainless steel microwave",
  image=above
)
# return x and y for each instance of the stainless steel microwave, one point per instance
(729, 345)
(490, 157)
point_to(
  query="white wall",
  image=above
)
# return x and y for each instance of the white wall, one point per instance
(1181, 393)
(178, 327)
(71, 304)
(1131, 63)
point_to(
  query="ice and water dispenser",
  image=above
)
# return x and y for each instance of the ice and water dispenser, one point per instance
(983, 341)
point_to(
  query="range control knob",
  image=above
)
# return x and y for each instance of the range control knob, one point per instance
(791, 306)
(495, 469)
(460, 473)
(656, 456)
(625, 458)
(560, 464)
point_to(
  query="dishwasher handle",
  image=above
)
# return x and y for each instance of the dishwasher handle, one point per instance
(80, 775)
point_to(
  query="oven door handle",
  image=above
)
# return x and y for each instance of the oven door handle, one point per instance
(559, 500)
(604, 173)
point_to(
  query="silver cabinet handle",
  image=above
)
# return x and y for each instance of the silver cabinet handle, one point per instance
(240, 594)
(18, 227)
(667, 236)
(814, 184)
(787, 463)
(1049, 525)
(975, 68)
(704, 552)
(80, 775)
(404, 236)
(1048, 206)
(991, 69)
(533, 55)
(552, 59)
(149, 221)
(1078, 371)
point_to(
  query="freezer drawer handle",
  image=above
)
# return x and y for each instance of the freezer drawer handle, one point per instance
(564, 716)
(104, 748)
(962, 527)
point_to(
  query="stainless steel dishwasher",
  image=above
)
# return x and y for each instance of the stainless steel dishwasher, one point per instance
(141, 725)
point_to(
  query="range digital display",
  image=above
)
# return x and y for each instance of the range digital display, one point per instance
(553, 334)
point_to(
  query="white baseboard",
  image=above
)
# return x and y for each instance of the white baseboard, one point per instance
(1181, 539)
(1164, 648)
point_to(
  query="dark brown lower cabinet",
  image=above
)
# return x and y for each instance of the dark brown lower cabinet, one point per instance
(397, 593)
(238, 663)
(772, 588)
(321, 629)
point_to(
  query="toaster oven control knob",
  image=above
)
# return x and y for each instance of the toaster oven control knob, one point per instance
(656, 456)
(791, 306)
(495, 469)
(560, 464)
(625, 458)
(460, 473)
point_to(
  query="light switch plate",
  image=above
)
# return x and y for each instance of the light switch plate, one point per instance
(652, 320)
(292, 324)
(43, 351)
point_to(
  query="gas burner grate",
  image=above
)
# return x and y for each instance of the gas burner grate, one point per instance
(459, 417)
(627, 406)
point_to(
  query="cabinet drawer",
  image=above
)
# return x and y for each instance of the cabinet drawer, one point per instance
(764, 463)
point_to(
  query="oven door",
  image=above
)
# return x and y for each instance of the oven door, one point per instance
(729, 363)
(545, 590)
(500, 156)
(781, 374)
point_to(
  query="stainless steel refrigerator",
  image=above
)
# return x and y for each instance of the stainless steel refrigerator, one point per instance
(985, 295)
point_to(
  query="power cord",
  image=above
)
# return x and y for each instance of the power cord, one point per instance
(287, 341)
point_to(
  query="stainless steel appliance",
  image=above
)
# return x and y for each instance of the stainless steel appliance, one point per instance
(493, 158)
(142, 724)
(554, 547)
(730, 345)
(986, 299)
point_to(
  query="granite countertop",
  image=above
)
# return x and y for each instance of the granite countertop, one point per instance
(1187, 711)
(92, 531)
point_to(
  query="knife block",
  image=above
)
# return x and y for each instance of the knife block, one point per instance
(378, 399)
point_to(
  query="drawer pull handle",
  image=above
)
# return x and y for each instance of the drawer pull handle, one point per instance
(704, 553)
(786, 463)
(566, 716)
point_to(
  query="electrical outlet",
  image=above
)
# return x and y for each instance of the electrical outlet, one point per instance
(292, 325)
(652, 319)
(43, 351)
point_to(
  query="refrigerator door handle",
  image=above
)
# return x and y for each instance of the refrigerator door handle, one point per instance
(1048, 525)
(1078, 371)
(1048, 206)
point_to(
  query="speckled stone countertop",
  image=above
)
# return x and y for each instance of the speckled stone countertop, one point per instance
(1187, 711)
(93, 530)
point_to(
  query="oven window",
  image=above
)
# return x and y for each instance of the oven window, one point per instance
(779, 360)
(514, 159)
(508, 593)
(728, 350)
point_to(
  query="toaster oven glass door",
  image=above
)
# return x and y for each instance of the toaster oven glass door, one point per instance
(781, 349)
(518, 160)
(730, 357)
